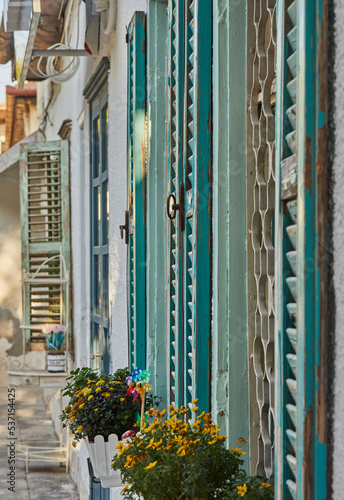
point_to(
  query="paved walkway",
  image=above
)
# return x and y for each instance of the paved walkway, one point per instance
(44, 481)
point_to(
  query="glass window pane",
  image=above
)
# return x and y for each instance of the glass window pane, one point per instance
(96, 216)
(96, 284)
(104, 137)
(95, 148)
(95, 347)
(105, 284)
(105, 351)
(105, 213)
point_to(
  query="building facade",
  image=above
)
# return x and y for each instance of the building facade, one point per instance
(205, 217)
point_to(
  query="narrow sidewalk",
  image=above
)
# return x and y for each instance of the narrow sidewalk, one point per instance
(44, 481)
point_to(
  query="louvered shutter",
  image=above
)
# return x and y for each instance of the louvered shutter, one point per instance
(300, 277)
(136, 174)
(45, 233)
(188, 167)
(174, 178)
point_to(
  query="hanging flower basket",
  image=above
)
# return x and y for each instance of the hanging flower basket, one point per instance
(101, 455)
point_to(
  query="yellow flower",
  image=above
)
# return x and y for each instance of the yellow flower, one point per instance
(72, 419)
(79, 429)
(87, 391)
(265, 485)
(122, 399)
(125, 488)
(241, 440)
(96, 409)
(195, 408)
(101, 382)
(98, 389)
(67, 408)
(157, 444)
(194, 401)
(242, 490)
(237, 451)
(151, 442)
(120, 445)
(82, 406)
(74, 445)
(90, 397)
(106, 394)
(151, 465)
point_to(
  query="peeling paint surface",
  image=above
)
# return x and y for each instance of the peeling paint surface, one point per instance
(338, 238)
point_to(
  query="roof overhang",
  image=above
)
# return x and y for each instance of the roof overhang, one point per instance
(10, 158)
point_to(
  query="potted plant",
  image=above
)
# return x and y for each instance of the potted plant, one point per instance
(56, 356)
(173, 458)
(101, 410)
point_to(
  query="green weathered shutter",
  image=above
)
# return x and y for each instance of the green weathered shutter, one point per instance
(136, 190)
(188, 165)
(45, 233)
(300, 234)
(174, 176)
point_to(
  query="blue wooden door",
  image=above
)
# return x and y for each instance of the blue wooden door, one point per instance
(97, 492)
(188, 200)
(301, 250)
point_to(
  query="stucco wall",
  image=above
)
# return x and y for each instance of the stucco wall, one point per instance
(70, 104)
(10, 273)
(338, 237)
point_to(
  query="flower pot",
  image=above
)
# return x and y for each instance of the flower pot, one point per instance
(101, 455)
(56, 361)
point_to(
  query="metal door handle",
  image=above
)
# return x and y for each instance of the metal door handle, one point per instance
(125, 227)
(96, 355)
(172, 206)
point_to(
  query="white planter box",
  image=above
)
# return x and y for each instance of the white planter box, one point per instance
(101, 455)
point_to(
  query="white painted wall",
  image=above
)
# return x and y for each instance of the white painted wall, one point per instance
(70, 104)
(338, 230)
(10, 272)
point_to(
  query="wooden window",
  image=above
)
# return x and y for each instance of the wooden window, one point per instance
(99, 232)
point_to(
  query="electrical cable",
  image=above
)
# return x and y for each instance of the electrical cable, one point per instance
(69, 71)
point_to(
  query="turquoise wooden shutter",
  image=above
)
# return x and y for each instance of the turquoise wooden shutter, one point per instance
(45, 233)
(174, 178)
(300, 240)
(136, 154)
(188, 167)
